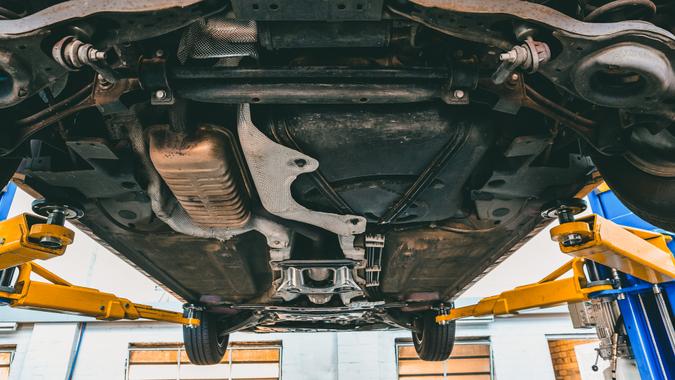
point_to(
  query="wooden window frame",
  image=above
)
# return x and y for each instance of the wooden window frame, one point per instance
(407, 342)
(11, 349)
(180, 348)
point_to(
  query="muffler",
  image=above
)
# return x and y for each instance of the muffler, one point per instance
(204, 172)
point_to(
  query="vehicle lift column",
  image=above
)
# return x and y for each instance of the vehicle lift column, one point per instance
(623, 283)
(26, 238)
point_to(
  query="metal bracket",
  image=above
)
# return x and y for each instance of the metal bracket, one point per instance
(274, 167)
(154, 79)
(318, 280)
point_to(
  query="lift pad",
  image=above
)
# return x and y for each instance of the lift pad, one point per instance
(642, 254)
(20, 240)
(549, 291)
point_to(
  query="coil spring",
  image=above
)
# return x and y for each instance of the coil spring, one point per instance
(619, 10)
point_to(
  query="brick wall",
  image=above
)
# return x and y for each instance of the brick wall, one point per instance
(564, 358)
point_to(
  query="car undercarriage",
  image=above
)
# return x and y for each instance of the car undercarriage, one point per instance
(306, 165)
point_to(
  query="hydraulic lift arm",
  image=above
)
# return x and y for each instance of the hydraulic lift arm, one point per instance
(27, 237)
(61, 296)
(549, 291)
(642, 254)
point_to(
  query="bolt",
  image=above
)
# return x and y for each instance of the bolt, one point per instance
(515, 77)
(159, 53)
(103, 83)
(95, 55)
(160, 94)
(509, 56)
(459, 94)
(300, 162)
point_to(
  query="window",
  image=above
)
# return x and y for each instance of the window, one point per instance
(471, 359)
(243, 360)
(6, 356)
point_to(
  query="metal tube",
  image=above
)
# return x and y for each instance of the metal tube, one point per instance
(182, 72)
(314, 93)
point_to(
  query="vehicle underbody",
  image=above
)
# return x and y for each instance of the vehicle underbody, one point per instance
(297, 165)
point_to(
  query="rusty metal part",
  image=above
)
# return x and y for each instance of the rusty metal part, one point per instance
(77, 9)
(579, 41)
(204, 173)
(541, 14)
(527, 56)
(73, 54)
(617, 5)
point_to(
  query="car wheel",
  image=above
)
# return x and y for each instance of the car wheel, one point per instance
(204, 344)
(433, 342)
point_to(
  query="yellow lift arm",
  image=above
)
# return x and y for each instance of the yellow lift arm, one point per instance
(640, 253)
(20, 239)
(549, 291)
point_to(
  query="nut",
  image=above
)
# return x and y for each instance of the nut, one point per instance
(160, 94)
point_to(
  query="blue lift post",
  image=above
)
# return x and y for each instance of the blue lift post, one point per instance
(648, 310)
(6, 197)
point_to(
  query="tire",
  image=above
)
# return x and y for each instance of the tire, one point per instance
(433, 342)
(203, 344)
(649, 196)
